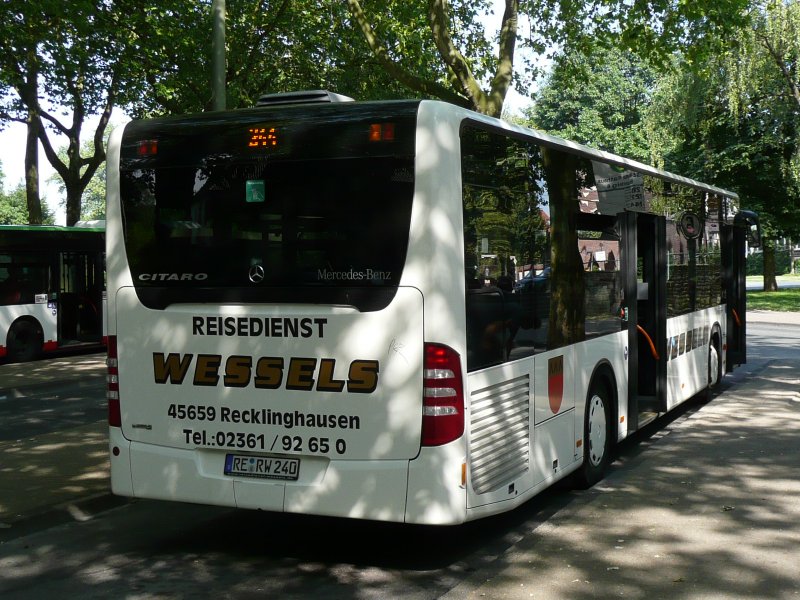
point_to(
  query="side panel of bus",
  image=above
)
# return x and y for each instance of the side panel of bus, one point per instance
(40, 314)
(689, 338)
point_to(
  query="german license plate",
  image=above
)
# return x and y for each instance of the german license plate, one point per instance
(262, 467)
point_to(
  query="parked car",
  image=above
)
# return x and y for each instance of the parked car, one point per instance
(533, 283)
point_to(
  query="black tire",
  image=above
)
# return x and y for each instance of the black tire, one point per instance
(24, 341)
(596, 436)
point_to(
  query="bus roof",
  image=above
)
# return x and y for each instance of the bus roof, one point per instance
(594, 154)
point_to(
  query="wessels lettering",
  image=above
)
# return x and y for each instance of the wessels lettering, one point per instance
(265, 372)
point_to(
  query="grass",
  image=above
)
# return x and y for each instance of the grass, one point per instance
(785, 300)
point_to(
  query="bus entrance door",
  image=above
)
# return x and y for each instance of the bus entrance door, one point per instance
(644, 271)
(80, 299)
(744, 230)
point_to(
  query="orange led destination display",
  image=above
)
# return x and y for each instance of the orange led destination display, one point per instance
(262, 137)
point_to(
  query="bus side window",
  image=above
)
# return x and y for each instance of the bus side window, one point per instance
(486, 331)
(9, 286)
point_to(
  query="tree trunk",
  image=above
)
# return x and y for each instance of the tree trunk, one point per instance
(770, 281)
(567, 290)
(32, 198)
(73, 205)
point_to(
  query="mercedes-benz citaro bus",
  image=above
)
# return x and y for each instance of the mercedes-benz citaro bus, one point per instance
(314, 307)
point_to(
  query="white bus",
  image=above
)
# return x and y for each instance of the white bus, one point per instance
(318, 307)
(51, 289)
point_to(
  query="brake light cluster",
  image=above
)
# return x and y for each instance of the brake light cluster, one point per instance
(443, 396)
(147, 148)
(112, 384)
(381, 132)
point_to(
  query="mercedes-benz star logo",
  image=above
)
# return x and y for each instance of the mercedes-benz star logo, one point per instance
(256, 274)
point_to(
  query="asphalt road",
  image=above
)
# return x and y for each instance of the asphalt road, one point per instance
(39, 409)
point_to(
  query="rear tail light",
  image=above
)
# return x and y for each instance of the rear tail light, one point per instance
(147, 148)
(381, 132)
(112, 384)
(443, 396)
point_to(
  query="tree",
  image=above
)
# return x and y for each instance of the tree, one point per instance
(19, 71)
(736, 122)
(770, 54)
(471, 73)
(599, 100)
(70, 55)
(276, 46)
(457, 76)
(93, 199)
(772, 42)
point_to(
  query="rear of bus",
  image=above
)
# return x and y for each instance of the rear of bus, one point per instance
(265, 350)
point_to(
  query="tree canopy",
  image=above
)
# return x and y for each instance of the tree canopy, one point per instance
(62, 62)
(599, 100)
(272, 46)
(470, 72)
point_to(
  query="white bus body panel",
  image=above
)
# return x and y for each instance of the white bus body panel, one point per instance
(436, 238)
(687, 359)
(43, 312)
(611, 350)
(368, 480)
(387, 420)
(526, 421)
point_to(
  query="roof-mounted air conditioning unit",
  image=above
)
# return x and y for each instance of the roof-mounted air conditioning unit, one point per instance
(302, 97)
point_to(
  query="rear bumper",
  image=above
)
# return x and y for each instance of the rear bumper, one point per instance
(375, 490)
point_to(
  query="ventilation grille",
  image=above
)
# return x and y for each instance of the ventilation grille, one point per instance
(499, 434)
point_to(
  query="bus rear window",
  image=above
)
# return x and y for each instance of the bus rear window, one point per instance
(290, 227)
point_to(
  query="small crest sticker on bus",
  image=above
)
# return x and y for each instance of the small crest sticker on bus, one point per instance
(690, 225)
(555, 382)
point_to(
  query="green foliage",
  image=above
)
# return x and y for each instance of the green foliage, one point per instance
(14, 206)
(783, 263)
(598, 100)
(272, 46)
(477, 75)
(739, 132)
(78, 57)
(654, 30)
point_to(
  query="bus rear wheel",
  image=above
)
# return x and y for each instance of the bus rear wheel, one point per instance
(596, 438)
(24, 341)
